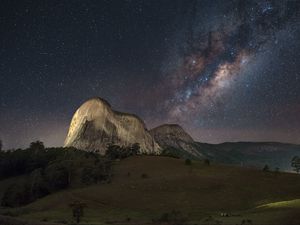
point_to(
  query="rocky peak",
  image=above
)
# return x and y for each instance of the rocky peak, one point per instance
(95, 125)
(173, 136)
(171, 132)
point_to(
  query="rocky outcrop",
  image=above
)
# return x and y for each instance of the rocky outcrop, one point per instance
(95, 125)
(174, 136)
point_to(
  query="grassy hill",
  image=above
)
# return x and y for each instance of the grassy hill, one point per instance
(145, 187)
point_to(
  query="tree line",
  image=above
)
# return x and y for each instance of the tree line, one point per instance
(46, 170)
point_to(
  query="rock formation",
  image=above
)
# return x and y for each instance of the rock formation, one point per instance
(173, 135)
(95, 125)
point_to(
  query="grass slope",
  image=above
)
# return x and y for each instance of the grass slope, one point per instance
(198, 191)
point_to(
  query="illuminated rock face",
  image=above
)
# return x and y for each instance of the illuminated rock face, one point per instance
(173, 135)
(95, 125)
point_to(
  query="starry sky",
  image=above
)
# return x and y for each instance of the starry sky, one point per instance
(224, 70)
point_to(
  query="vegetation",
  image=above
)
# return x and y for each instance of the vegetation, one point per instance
(120, 152)
(208, 191)
(207, 162)
(144, 175)
(64, 180)
(295, 163)
(48, 170)
(170, 152)
(188, 162)
(266, 168)
(174, 217)
(177, 153)
(77, 210)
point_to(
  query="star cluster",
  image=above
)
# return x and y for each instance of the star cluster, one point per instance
(224, 70)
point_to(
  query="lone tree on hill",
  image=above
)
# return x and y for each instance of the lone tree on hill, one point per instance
(295, 163)
(77, 210)
(207, 162)
(266, 168)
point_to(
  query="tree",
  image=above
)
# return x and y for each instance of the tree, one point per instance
(37, 146)
(113, 152)
(38, 184)
(295, 163)
(120, 152)
(77, 210)
(134, 149)
(17, 195)
(57, 176)
(266, 168)
(1, 145)
(207, 162)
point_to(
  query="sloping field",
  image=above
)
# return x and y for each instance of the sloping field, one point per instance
(145, 187)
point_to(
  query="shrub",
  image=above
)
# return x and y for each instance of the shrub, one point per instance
(188, 162)
(114, 152)
(207, 162)
(170, 152)
(266, 168)
(144, 175)
(173, 217)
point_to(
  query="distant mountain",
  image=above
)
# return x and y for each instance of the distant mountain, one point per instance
(256, 154)
(252, 154)
(95, 125)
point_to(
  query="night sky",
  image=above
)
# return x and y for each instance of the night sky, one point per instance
(224, 70)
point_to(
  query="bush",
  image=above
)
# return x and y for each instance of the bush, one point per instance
(144, 175)
(188, 162)
(173, 217)
(207, 162)
(170, 152)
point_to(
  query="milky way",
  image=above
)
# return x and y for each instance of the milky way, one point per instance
(212, 61)
(224, 70)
